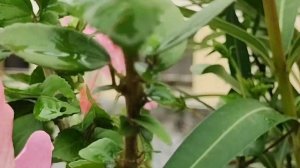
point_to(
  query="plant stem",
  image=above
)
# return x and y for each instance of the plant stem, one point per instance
(132, 89)
(281, 72)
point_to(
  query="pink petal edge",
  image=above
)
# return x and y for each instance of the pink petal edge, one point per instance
(7, 159)
(37, 152)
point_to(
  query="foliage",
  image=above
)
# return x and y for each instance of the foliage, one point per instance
(252, 127)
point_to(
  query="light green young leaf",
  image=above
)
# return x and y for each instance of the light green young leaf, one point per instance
(101, 151)
(219, 71)
(53, 47)
(287, 13)
(191, 26)
(230, 129)
(154, 126)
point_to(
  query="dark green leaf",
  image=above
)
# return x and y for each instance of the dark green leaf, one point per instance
(147, 121)
(21, 133)
(67, 145)
(15, 11)
(231, 128)
(53, 47)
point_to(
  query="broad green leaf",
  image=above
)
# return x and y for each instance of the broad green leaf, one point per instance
(57, 99)
(101, 151)
(191, 26)
(15, 11)
(48, 108)
(129, 23)
(219, 71)
(54, 47)
(147, 121)
(98, 117)
(21, 133)
(287, 13)
(252, 41)
(170, 20)
(4, 54)
(100, 133)
(67, 145)
(228, 130)
(85, 164)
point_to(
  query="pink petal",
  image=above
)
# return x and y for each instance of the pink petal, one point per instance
(85, 104)
(115, 52)
(65, 21)
(37, 152)
(89, 30)
(6, 126)
(151, 105)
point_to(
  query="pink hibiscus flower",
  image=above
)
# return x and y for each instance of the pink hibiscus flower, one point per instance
(37, 152)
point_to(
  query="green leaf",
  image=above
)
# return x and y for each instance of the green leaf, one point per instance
(267, 160)
(287, 13)
(54, 47)
(230, 129)
(126, 22)
(170, 20)
(57, 99)
(31, 92)
(239, 59)
(191, 26)
(86, 164)
(15, 11)
(163, 95)
(101, 151)
(67, 145)
(294, 56)
(97, 116)
(21, 133)
(147, 121)
(37, 76)
(219, 71)
(48, 108)
(252, 41)
(100, 133)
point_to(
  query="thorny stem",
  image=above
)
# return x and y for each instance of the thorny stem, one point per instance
(281, 72)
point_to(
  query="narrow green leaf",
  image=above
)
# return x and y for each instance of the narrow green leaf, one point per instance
(101, 151)
(197, 21)
(147, 121)
(67, 145)
(287, 11)
(228, 130)
(219, 71)
(294, 56)
(53, 47)
(252, 41)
